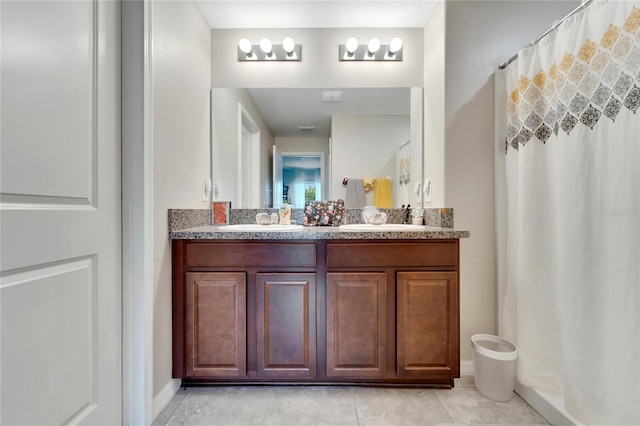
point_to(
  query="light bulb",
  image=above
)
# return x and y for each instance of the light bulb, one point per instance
(245, 46)
(373, 46)
(288, 45)
(395, 45)
(352, 45)
(265, 45)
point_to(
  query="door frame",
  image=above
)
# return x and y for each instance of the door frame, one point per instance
(245, 120)
(137, 210)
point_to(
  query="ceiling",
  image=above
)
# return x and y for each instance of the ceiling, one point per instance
(316, 13)
(287, 109)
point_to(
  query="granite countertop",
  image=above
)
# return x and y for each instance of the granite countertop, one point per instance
(315, 233)
(194, 224)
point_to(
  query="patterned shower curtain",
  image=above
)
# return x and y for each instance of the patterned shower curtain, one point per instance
(572, 153)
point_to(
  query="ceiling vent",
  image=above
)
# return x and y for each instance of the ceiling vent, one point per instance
(332, 96)
(306, 128)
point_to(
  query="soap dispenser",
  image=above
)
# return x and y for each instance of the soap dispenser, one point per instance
(285, 214)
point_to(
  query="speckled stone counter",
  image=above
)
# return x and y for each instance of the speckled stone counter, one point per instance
(314, 233)
(195, 225)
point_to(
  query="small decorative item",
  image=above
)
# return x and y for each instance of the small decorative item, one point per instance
(285, 214)
(274, 218)
(368, 213)
(324, 213)
(263, 219)
(379, 219)
(417, 215)
(220, 212)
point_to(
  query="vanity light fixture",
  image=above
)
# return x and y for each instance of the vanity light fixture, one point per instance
(351, 47)
(267, 48)
(372, 51)
(266, 51)
(245, 47)
(289, 47)
(394, 47)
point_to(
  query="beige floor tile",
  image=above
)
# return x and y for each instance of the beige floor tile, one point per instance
(466, 405)
(393, 406)
(311, 405)
(222, 406)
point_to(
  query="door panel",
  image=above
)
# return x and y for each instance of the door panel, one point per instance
(60, 203)
(216, 338)
(286, 325)
(356, 324)
(427, 324)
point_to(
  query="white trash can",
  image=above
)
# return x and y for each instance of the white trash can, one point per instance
(494, 364)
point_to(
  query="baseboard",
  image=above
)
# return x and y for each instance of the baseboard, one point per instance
(162, 398)
(466, 367)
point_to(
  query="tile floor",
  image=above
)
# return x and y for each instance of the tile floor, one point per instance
(338, 405)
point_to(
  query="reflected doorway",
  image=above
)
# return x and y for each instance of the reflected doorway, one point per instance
(302, 179)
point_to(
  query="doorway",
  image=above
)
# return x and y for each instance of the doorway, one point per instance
(303, 178)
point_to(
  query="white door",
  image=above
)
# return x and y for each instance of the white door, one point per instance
(277, 178)
(60, 265)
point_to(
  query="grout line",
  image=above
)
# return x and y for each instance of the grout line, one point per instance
(266, 405)
(435, 391)
(355, 406)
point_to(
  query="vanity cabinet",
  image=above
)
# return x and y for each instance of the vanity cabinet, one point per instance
(316, 311)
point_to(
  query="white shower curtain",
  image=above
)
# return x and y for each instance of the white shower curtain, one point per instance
(572, 145)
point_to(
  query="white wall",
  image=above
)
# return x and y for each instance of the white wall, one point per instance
(181, 78)
(479, 36)
(320, 66)
(433, 106)
(298, 144)
(225, 138)
(381, 135)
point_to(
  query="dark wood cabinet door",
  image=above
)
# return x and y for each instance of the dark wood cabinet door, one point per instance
(286, 324)
(356, 324)
(215, 326)
(427, 324)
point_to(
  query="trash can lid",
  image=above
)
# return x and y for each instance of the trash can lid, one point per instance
(494, 347)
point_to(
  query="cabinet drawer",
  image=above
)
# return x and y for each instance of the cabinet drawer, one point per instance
(390, 254)
(248, 255)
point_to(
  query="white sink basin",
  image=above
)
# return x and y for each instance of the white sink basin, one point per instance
(249, 227)
(387, 227)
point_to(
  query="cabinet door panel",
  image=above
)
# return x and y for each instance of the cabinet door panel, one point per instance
(356, 324)
(286, 325)
(216, 324)
(427, 324)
